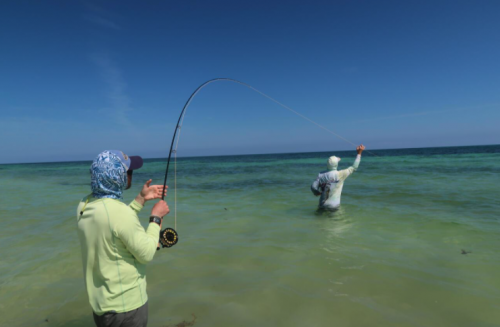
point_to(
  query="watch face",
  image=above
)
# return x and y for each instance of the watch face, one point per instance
(155, 220)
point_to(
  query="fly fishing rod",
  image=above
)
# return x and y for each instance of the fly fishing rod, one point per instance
(168, 236)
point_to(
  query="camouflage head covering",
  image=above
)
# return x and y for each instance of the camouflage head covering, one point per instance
(108, 176)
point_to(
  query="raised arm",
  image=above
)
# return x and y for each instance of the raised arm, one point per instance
(343, 174)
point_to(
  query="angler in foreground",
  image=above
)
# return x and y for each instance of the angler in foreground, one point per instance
(115, 246)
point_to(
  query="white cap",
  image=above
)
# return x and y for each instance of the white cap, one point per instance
(333, 162)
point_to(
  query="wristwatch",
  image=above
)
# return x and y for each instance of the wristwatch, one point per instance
(155, 219)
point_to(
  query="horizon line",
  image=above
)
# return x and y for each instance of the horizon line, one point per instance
(253, 154)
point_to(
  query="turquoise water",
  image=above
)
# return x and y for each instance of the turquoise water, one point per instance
(254, 251)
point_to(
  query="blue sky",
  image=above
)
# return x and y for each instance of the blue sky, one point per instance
(78, 77)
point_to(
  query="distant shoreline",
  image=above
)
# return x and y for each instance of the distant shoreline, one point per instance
(262, 154)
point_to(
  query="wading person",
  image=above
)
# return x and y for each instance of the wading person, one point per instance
(115, 247)
(330, 182)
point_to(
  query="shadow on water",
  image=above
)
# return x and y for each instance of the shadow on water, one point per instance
(87, 321)
(335, 222)
(337, 214)
(184, 323)
(82, 321)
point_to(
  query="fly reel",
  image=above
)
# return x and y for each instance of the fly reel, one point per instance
(168, 237)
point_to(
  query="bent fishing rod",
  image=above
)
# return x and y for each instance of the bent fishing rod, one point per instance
(169, 237)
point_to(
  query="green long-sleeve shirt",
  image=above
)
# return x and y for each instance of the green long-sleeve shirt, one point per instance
(115, 249)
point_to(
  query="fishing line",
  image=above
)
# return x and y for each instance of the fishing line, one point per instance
(169, 236)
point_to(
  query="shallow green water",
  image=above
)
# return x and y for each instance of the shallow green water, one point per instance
(254, 251)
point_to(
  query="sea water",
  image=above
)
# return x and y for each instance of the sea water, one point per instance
(415, 242)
